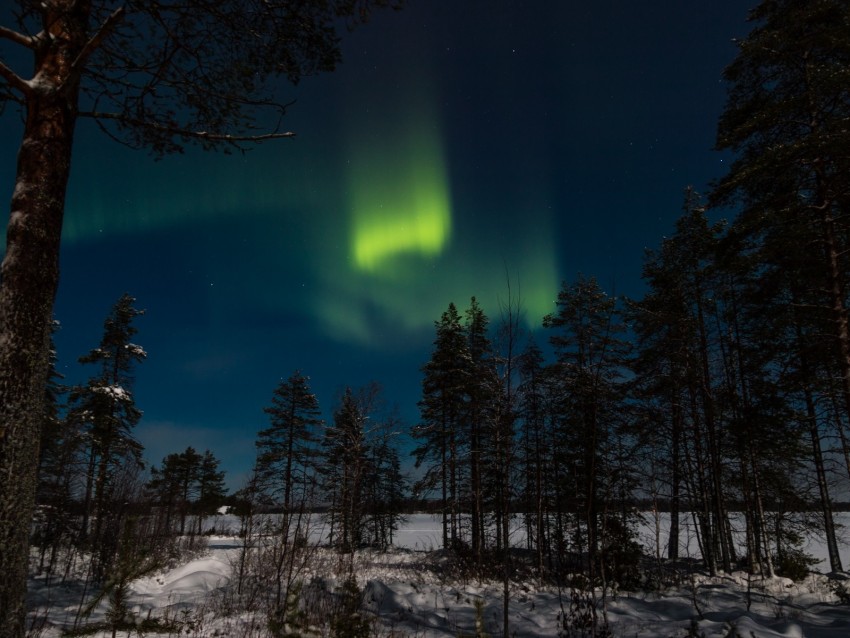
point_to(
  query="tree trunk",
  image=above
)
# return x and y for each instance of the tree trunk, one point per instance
(88, 495)
(675, 480)
(817, 456)
(29, 278)
(475, 476)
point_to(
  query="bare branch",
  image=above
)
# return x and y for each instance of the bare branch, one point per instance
(97, 38)
(18, 38)
(176, 131)
(14, 80)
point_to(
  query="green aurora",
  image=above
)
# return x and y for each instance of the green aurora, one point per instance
(363, 236)
(400, 200)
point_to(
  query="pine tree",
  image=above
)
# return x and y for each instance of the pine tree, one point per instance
(591, 357)
(285, 451)
(383, 485)
(175, 485)
(56, 465)
(444, 383)
(211, 491)
(479, 425)
(105, 412)
(52, 434)
(286, 468)
(187, 483)
(344, 467)
(119, 64)
(672, 363)
(680, 367)
(788, 120)
(534, 448)
(164, 489)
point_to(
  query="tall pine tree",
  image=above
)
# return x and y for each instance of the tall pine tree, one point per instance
(286, 450)
(787, 118)
(105, 412)
(587, 335)
(440, 430)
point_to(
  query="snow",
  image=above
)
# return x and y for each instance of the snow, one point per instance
(413, 591)
(136, 350)
(115, 391)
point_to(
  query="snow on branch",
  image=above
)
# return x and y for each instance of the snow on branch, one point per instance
(115, 392)
(136, 350)
(176, 131)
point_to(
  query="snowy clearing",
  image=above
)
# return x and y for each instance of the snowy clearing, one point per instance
(413, 591)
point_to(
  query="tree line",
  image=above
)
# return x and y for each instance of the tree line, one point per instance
(349, 468)
(726, 386)
(92, 487)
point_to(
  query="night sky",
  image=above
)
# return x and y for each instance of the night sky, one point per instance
(460, 145)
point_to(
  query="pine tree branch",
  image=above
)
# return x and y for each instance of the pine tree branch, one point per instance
(14, 80)
(97, 38)
(18, 38)
(176, 131)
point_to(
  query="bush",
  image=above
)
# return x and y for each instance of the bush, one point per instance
(348, 620)
(290, 620)
(622, 555)
(794, 564)
(839, 588)
(582, 619)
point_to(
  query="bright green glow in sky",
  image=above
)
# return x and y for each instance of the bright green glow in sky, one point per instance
(395, 312)
(265, 229)
(400, 200)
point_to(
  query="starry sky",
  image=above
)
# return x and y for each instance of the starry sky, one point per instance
(460, 147)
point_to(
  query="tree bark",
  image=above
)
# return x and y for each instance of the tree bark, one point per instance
(675, 479)
(817, 456)
(29, 277)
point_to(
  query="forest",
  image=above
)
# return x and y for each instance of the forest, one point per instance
(720, 398)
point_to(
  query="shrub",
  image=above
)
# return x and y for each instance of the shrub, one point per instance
(839, 588)
(794, 564)
(348, 620)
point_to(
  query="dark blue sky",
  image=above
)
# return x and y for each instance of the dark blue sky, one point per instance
(459, 144)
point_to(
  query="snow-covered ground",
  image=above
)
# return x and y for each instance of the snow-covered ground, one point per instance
(412, 592)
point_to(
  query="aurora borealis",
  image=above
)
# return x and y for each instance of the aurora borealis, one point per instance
(453, 153)
(408, 211)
